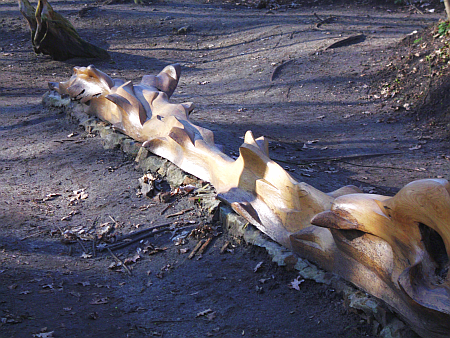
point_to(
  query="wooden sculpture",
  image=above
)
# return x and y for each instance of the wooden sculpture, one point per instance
(54, 35)
(413, 230)
(394, 248)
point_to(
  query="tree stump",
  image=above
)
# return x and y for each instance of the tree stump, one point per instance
(54, 35)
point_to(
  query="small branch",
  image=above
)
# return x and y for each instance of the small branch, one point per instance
(277, 70)
(180, 212)
(417, 9)
(335, 158)
(112, 219)
(142, 231)
(35, 234)
(118, 260)
(82, 246)
(137, 239)
(323, 21)
(196, 248)
(94, 247)
(169, 206)
(203, 247)
(375, 166)
(156, 321)
(225, 247)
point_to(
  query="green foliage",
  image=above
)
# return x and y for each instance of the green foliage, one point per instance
(443, 28)
(418, 40)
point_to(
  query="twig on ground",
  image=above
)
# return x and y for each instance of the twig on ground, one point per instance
(112, 219)
(196, 248)
(34, 234)
(180, 212)
(137, 239)
(417, 9)
(94, 247)
(203, 247)
(169, 206)
(142, 231)
(323, 21)
(334, 158)
(225, 247)
(376, 166)
(82, 246)
(203, 189)
(277, 70)
(118, 260)
(155, 321)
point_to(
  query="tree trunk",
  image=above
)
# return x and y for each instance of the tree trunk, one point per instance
(54, 35)
(447, 9)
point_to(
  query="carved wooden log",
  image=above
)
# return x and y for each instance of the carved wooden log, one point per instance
(406, 246)
(395, 248)
(54, 35)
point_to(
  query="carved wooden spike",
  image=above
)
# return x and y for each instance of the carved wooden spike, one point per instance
(415, 224)
(54, 35)
(396, 248)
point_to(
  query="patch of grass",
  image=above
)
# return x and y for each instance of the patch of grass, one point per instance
(443, 28)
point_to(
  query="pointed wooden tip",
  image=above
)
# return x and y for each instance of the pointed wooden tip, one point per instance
(328, 219)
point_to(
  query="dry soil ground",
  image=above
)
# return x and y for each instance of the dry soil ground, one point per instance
(265, 70)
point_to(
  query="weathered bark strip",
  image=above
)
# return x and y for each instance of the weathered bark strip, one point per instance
(54, 35)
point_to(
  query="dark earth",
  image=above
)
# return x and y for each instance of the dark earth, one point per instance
(373, 114)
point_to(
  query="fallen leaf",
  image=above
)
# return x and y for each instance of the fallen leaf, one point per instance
(50, 197)
(211, 316)
(77, 195)
(204, 313)
(99, 301)
(183, 250)
(85, 255)
(75, 294)
(87, 283)
(258, 266)
(44, 334)
(131, 260)
(295, 284)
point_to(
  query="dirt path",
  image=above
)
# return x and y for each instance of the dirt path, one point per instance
(245, 69)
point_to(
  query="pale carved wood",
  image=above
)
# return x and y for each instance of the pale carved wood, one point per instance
(395, 248)
(414, 228)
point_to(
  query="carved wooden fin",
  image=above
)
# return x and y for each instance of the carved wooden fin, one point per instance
(260, 142)
(102, 77)
(346, 190)
(166, 81)
(331, 220)
(135, 111)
